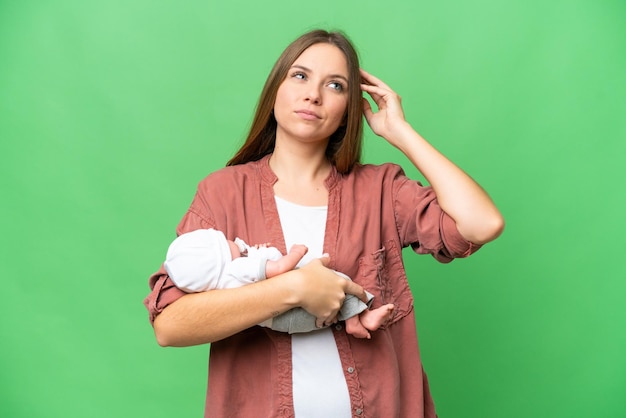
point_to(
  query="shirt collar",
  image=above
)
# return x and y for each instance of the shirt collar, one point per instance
(268, 175)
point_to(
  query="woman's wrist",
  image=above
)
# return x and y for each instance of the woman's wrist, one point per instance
(287, 285)
(403, 136)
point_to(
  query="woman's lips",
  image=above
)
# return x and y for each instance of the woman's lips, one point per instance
(307, 114)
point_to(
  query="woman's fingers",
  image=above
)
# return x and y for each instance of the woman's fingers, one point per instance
(324, 291)
(325, 322)
(355, 289)
(372, 80)
(378, 98)
(389, 110)
(321, 290)
(350, 288)
(375, 90)
(381, 95)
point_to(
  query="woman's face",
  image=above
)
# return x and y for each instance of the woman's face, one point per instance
(311, 102)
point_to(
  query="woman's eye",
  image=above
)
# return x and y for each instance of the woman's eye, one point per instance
(299, 76)
(336, 85)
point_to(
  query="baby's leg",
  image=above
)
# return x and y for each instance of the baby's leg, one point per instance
(369, 319)
(286, 262)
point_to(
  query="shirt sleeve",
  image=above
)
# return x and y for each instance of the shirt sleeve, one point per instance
(424, 226)
(243, 271)
(163, 291)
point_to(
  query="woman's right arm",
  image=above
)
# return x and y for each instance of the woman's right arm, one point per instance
(210, 316)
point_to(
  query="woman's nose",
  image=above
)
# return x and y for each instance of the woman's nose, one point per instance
(314, 95)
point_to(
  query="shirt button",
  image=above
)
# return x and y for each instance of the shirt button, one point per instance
(350, 369)
(359, 411)
(338, 327)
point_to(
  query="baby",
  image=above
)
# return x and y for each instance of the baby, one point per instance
(204, 260)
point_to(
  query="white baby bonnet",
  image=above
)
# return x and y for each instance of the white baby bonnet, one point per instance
(198, 254)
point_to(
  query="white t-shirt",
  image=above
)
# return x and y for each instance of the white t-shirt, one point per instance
(319, 386)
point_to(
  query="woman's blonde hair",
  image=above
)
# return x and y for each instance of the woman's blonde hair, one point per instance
(344, 146)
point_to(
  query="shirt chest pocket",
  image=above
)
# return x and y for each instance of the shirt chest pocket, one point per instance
(382, 273)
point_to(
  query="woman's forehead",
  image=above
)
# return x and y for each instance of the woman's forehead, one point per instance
(323, 57)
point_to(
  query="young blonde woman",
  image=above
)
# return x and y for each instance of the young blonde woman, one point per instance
(298, 179)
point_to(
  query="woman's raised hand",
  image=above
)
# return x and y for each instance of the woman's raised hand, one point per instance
(476, 216)
(389, 115)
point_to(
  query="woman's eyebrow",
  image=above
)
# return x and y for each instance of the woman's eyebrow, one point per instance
(303, 68)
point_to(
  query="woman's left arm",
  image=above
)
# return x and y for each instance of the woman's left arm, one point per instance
(476, 216)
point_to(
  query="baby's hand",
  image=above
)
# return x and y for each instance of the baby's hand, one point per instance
(286, 262)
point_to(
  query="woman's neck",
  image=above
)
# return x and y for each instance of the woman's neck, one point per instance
(301, 175)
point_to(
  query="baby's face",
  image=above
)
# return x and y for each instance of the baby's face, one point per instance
(234, 250)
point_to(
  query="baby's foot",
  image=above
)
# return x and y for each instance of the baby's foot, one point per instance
(372, 319)
(356, 329)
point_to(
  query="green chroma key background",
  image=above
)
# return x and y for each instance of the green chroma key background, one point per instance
(112, 112)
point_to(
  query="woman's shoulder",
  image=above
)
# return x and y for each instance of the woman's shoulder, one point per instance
(384, 170)
(232, 174)
(372, 177)
(382, 167)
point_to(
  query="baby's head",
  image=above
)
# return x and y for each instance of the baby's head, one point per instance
(203, 250)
